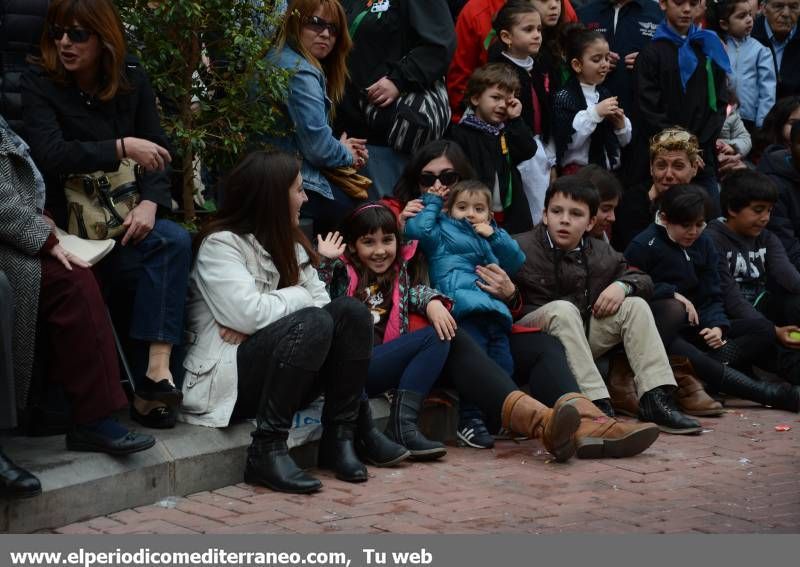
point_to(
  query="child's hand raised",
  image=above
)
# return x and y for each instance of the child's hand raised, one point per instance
(607, 107)
(332, 246)
(442, 321)
(617, 119)
(484, 229)
(513, 108)
(440, 190)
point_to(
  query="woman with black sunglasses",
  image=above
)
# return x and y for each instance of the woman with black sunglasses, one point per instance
(86, 107)
(313, 46)
(539, 359)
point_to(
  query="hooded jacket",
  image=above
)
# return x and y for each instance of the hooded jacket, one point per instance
(753, 79)
(341, 278)
(785, 220)
(454, 249)
(747, 265)
(578, 276)
(692, 271)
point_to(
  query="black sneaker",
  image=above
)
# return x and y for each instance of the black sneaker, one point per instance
(473, 432)
(659, 407)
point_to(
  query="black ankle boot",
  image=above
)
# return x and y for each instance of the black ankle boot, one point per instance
(372, 445)
(337, 452)
(659, 407)
(269, 464)
(16, 482)
(782, 395)
(405, 410)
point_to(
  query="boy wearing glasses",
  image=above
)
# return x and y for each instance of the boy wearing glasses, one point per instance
(496, 140)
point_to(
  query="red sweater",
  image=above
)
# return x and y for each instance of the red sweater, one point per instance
(472, 28)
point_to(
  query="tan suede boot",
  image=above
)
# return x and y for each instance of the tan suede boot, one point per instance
(691, 396)
(602, 436)
(555, 427)
(621, 386)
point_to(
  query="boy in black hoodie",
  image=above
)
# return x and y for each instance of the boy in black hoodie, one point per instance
(757, 279)
(495, 138)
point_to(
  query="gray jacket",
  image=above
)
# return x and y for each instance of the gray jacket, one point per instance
(735, 134)
(23, 232)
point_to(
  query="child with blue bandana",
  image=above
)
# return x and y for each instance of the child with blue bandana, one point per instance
(679, 79)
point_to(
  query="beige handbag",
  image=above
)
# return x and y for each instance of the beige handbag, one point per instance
(97, 203)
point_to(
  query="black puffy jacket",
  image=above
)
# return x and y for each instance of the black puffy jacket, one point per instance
(21, 24)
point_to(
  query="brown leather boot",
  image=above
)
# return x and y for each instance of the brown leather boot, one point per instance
(691, 396)
(602, 436)
(621, 387)
(555, 427)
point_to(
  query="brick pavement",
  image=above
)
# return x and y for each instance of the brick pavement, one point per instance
(740, 476)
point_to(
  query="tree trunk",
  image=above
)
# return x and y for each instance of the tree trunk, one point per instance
(188, 183)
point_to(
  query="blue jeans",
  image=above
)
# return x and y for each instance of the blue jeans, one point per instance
(410, 362)
(147, 284)
(491, 334)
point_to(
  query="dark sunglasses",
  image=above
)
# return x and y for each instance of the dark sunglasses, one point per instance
(446, 178)
(75, 35)
(318, 25)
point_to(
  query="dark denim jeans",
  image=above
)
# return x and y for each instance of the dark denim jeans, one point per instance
(491, 334)
(410, 362)
(158, 268)
(145, 285)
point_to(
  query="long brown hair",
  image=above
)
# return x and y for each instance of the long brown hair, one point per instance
(100, 17)
(335, 65)
(257, 202)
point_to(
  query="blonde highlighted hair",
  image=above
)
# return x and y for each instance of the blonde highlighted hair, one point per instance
(101, 18)
(675, 139)
(335, 65)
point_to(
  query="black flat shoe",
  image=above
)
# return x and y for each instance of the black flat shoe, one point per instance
(16, 482)
(82, 439)
(161, 391)
(158, 417)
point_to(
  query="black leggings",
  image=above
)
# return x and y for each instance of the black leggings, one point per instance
(479, 379)
(305, 344)
(751, 336)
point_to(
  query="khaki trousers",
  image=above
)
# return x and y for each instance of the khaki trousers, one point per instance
(632, 325)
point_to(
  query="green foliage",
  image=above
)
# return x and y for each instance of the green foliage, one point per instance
(206, 61)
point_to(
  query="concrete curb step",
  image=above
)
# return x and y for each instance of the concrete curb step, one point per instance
(186, 459)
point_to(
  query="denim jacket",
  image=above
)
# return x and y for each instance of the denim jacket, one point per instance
(309, 132)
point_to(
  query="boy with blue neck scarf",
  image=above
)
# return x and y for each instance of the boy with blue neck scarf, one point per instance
(679, 79)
